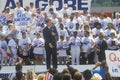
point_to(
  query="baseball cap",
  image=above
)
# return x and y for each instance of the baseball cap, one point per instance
(1, 25)
(65, 5)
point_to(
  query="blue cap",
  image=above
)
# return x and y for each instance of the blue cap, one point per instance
(1, 25)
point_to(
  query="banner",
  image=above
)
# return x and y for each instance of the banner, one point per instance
(73, 4)
(113, 61)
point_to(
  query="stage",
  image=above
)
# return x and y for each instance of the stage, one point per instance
(7, 70)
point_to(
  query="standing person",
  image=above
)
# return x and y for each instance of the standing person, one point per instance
(38, 49)
(75, 43)
(50, 6)
(4, 48)
(17, 12)
(101, 46)
(50, 44)
(87, 54)
(62, 47)
(112, 42)
(24, 47)
(12, 44)
(116, 22)
(32, 7)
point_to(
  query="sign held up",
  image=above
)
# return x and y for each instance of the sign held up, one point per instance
(22, 19)
(113, 61)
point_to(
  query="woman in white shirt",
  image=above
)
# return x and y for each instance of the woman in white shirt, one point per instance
(62, 46)
(38, 49)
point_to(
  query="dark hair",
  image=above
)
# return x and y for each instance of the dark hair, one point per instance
(77, 76)
(31, 3)
(72, 70)
(18, 67)
(61, 26)
(52, 71)
(51, 9)
(47, 20)
(65, 71)
(58, 76)
(87, 74)
(75, 34)
(66, 76)
(19, 75)
(77, 26)
(23, 32)
(97, 24)
(87, 32)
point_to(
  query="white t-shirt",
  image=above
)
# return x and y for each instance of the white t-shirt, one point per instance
(33, 10)
(108, 32)
(116, 23)
(87, 44)
(62, 52)
(72, 25)
(13, 46)
(24, 43)
(109, 42)
(48, 7)
(66, 22)
(75, 42)
(96, 31)
(18, 10)
(3, 46)
(63, 33)
(79, 20)
(67, 11)
(38, 45)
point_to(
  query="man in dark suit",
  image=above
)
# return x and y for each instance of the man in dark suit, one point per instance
(102, 47)
(49, 34)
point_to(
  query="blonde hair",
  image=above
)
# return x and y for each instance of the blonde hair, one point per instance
(96, 76)
(30, 74)
(41, 77)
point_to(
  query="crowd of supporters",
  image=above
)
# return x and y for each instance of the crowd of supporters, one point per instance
(81, 35)
(68, 73)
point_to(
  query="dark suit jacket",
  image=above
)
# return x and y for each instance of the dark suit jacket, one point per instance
(49, 38)
(103, 46)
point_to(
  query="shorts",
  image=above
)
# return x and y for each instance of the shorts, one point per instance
(38, 55)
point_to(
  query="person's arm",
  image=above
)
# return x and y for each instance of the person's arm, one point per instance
(56, 33)
(96, 65)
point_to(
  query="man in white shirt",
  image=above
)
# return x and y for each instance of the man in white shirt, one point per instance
(18, 9)
(32, 8)
(17, 13)
(116, 22)
(75, 42)
(50, 5)
(65, 10)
